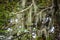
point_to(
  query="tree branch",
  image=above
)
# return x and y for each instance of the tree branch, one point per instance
(24, 9)
(41, 12)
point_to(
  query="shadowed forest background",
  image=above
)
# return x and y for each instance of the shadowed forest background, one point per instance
(29, 19)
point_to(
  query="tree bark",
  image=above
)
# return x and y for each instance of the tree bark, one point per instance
(56, 19)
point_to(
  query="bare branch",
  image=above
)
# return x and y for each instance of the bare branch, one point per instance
(35, 6)
(24, 9)
(41, 12)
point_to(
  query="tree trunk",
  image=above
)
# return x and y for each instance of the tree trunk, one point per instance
(56, 19)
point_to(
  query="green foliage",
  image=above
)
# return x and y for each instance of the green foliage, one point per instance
(9, 6)
(38, 38)
(43, 3)
(6, 7)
